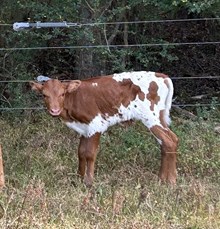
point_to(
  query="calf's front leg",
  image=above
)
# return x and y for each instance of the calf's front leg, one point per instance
(87, 152)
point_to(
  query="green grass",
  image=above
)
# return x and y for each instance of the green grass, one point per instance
(43, 189)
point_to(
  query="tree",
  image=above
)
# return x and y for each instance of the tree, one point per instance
(87, 62)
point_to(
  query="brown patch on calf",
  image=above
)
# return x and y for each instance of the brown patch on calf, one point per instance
(141, 96)
(130, 91)
(152, 96)
(161, 75)
(88, 101)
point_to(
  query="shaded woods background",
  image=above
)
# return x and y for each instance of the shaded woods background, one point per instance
(177, 60)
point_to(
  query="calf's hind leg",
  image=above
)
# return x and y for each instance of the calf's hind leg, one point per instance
(169, 143)
(87, 152)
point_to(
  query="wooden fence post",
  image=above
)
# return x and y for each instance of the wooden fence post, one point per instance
(2, 177)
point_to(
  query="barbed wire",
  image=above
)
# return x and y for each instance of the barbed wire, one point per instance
(193, 77)
(173, 78)
(6, 24)
(150, 21)
(21, 108)
(197, 105)
(112, 46)
(44, 108)
(137, 22)
(119, 46)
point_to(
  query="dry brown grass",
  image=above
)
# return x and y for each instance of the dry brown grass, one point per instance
(44, 191)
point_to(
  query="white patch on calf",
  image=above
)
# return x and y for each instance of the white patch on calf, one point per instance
(94, 84)
(98, 125)
(143, 79)
(80, 128)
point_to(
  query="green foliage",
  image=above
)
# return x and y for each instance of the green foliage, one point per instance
(202, 6)
(210, 112)
(83, 62)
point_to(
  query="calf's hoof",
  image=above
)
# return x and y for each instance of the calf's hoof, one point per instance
(88, 181)
(168, 178)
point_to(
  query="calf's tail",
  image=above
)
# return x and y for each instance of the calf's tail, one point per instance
(168, 101)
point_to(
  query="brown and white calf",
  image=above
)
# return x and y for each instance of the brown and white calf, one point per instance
(91, 106)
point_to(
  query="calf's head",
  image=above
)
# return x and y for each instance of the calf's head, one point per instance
(54, 92)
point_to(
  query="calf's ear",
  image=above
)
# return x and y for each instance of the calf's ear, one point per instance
(73, 85)
(36, 86)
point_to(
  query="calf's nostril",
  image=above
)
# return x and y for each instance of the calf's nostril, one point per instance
(55, 110)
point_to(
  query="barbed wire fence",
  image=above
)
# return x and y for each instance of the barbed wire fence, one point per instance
(135, 22)
(120, 46)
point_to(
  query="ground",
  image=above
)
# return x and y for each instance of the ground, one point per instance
(43, 189)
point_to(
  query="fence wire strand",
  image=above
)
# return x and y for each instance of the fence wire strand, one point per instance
(43, 108)
(173, 78)
(112, 46)
(119, 46)
(135, 22)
